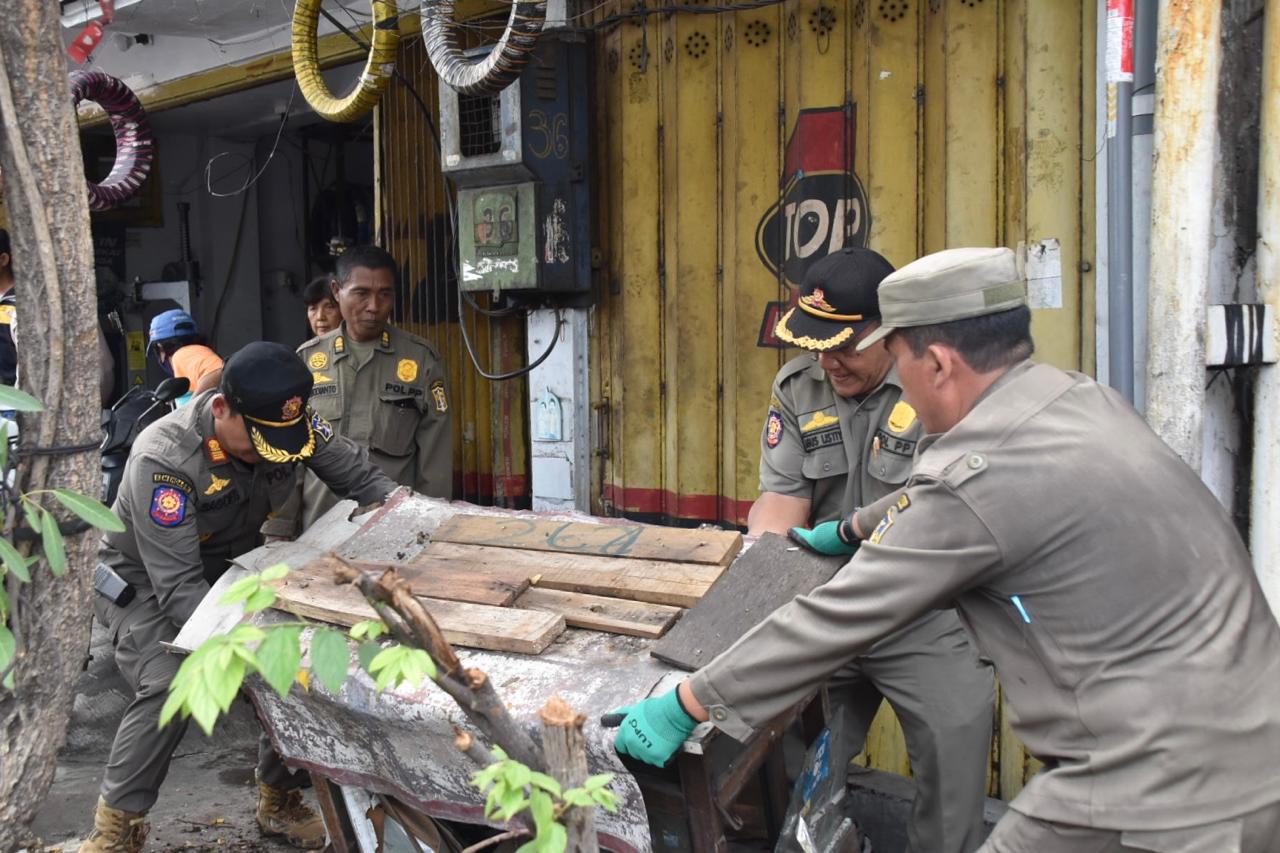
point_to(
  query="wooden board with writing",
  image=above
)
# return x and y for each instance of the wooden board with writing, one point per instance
(653, 581)
(313, 594)
(635, 618)
(771, 573)
(637, 541)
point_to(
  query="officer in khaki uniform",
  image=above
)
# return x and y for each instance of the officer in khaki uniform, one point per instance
(382, 387)
(198, 484)
(1138, 655)
(837, 436)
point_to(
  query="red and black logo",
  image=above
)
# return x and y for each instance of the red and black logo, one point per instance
(821, 207)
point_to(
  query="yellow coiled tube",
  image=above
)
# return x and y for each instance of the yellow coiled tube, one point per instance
(377, 68)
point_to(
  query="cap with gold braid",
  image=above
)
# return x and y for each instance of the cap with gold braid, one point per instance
(270, 386)
(954, 284)
(837, 300)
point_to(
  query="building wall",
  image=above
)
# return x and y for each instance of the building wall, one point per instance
(942, 123)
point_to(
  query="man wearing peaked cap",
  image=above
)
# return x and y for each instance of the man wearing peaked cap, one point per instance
(198, 485)
(837, 436)
(1138, 655)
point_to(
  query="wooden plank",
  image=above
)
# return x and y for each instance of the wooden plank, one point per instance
(649, 542)
(634, 618)
(479, 626)
(771, 573)
(654, 581)
(437, 580)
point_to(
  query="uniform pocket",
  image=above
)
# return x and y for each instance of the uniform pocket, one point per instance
(891, 468)
(827, 462)
(395, 425)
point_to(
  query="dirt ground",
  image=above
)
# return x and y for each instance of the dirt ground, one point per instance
(208, 800)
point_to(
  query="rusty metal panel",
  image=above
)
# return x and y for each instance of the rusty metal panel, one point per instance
(490, 420)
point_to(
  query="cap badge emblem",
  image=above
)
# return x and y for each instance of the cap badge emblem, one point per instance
(318, 361)
(407, 370)
(818, 300)
(291, 408)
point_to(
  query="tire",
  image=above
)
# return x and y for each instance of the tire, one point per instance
(378, 66)
(493, 72)
(135, 144)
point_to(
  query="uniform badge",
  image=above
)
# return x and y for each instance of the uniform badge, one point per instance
(819, 420)
(320, 377)
(338, 344)
(213, 452)
(773, 429)
(168, 506)
(218, 484)
(318, 361)
(7, 314)
(438, 395)
(407, 370)
(903, 502)
(883, 527)
(901, 418)
(818, 300)
(321, 427)
(163, 478)
(386, 339)
(291, 408)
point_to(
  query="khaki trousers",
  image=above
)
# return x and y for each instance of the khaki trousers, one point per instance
(141, 752)
(1256, 832)
(942, 694)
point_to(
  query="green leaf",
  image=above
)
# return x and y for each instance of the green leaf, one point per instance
(55, 551)
(241, 589)
(260, 599)
(330, 657)
(543, 811)
(275, 573)
(370, 629)
(366, 652)
(545, 782)
(482, 779)
(578, 797)
(4, 444)
(8, 648)
(606, 799)
(18, 401)
(32, 511)
(246, 634)
(511, 803)
(555, 840)
(13, 561)
(279, 657)
(597, 781)
(517, 774)
(91, 510)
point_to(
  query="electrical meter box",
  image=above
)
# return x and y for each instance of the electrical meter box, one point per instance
(521, 162)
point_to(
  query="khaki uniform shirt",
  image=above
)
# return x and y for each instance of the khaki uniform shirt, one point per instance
(837, 452)
(189, 507)
(395, 404)
(1137, 653)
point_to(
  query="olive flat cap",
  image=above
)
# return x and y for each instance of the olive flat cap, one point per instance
(954, 284)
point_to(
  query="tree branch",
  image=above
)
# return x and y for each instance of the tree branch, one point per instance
(470, 688)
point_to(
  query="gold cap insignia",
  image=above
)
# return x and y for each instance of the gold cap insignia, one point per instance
(275, 454)
(291, 408)
(818, 300)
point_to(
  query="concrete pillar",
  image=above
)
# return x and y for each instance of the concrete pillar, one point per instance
(1188, 57)
(1264, 510)
(560, 404)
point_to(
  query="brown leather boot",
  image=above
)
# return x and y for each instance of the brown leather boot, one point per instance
(282, 812)
(115, 831)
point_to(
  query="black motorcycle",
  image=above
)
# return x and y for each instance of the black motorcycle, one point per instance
(130, 415)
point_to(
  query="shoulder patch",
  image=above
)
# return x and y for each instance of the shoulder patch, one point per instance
(883, 527)
(164, 478)
(322, 428)
(7, 314)
(773, 429)
(439, 397)
(901, 417)
(318, 360)
(168, 506)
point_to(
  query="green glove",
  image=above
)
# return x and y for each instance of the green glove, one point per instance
(654, 729)
(825, 539)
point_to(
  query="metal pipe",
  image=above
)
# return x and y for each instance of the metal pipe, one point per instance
(1144, 88)
(1264, 507)
(1120, 237)
(1188, 60)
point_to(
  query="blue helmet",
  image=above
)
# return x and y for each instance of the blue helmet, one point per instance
(174, 323)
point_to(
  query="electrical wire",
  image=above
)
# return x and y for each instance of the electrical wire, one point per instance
(208, 167)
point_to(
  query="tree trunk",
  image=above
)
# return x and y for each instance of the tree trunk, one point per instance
(566, 751)
(58, 363)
